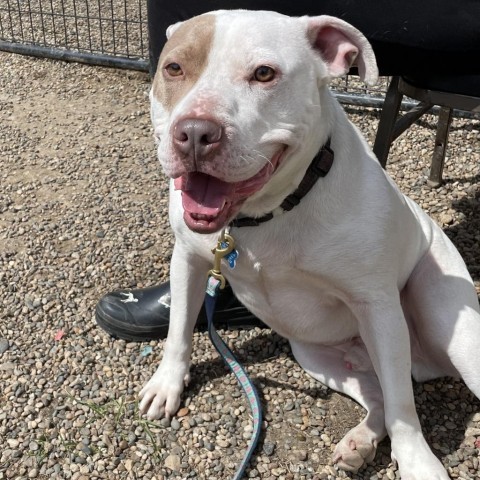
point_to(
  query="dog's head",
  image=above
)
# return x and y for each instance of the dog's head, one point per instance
(237, 106)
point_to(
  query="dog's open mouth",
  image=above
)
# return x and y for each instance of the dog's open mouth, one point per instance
(210, 203)
(207, 201)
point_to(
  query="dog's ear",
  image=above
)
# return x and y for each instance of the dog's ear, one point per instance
(171, 29)
(342, 46)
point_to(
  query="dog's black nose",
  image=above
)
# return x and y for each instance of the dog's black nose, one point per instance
(197, 137)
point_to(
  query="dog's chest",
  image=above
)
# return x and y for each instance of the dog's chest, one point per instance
(295, 302)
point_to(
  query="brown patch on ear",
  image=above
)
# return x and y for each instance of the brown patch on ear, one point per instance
(189, 46)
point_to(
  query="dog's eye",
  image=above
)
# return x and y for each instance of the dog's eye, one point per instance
(264, 74)
(174, 69)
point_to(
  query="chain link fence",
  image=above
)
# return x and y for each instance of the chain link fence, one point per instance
(101, 32)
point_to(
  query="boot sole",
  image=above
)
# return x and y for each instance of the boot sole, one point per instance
(238, 318)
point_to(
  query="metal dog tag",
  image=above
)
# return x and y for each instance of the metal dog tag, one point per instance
(231, 257)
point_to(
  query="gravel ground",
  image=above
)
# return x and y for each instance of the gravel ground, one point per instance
(83, 211)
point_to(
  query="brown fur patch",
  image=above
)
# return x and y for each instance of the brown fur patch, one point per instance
(189, 46)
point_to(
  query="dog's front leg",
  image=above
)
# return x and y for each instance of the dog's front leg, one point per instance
(384, 331)
(161, 394)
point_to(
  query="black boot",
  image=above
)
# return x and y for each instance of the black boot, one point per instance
(144, 314)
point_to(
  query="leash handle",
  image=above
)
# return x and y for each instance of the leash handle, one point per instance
(214, 284)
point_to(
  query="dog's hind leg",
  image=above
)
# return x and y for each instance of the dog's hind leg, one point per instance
(444, 305)
(463, 352)
(347, 369)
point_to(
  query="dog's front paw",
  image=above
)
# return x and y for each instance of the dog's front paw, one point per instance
(160, 397)
(356, 449)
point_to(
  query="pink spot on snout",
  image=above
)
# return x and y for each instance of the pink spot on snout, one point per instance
(348, 366)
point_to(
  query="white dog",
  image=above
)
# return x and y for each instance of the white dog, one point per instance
(367, 289)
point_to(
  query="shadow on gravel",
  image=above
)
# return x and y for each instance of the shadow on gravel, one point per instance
(474, 179)
(447, 399)
(452, 401)
(466, 234)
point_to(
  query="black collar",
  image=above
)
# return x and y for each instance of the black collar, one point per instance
(319, 167)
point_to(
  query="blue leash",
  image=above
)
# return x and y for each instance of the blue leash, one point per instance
(215, 282)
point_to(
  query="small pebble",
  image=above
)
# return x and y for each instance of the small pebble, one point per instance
(268, 448)
(175, 424)
(173, 462)
(4, 345)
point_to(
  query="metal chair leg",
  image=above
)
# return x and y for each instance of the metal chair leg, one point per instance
(441, 142)
(388, 116)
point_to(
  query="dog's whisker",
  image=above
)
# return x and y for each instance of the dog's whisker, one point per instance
(259, 155)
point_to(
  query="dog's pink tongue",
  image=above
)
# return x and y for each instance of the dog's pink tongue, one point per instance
(203, 194)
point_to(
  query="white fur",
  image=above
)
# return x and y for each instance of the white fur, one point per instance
(364, 285)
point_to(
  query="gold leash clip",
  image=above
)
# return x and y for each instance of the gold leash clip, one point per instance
(220, 251)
